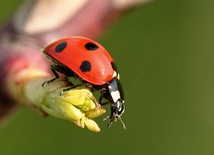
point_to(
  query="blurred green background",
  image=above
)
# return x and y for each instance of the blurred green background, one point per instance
(165, 53)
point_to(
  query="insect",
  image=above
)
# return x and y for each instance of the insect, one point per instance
(88, 61)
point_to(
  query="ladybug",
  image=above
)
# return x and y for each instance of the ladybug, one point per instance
(88, 61)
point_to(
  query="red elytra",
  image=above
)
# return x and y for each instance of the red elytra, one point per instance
(74, 51)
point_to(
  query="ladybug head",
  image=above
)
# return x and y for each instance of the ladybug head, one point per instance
(117, 110)
(114, 93)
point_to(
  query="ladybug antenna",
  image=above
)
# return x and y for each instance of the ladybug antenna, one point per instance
(124, 126)
(113, 119)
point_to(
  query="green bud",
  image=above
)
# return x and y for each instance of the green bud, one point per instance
(77, 105)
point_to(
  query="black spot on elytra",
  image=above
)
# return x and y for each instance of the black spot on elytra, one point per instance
(114, 67)
(85, 66)
(91, 46)
(60, 47)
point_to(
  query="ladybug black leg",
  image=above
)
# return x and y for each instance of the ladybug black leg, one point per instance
(103, 91)
(55, 74)
(75, 86)
(62, 69)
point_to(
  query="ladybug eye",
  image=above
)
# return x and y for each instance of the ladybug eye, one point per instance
(61, 46)
(91, 46)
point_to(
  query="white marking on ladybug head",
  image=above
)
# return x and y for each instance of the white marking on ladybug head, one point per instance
(115, 95)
